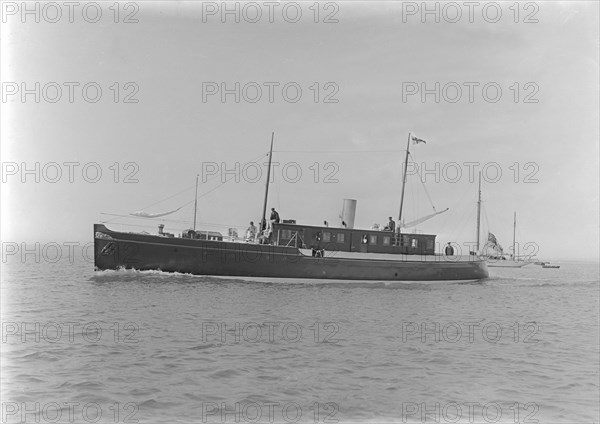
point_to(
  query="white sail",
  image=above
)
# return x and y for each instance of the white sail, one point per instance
(143, 214)
(492, 247)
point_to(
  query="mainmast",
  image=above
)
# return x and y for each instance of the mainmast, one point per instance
(264, 214)
(196, 202)
(403, 182)
(514, 233)
(478, 213)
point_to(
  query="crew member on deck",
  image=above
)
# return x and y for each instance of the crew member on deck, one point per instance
(449, 250)
(251, 232)
(391, 225)
(274, 218)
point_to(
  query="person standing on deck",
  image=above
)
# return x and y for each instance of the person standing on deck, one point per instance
(449, 250)
(391, 225)
(274, 216)
(251, 232)
(274, 219)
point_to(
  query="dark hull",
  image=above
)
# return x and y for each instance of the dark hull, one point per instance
(114, 250)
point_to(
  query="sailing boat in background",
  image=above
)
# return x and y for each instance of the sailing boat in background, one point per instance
(492, 250)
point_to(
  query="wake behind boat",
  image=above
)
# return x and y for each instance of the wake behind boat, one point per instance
(285, 249)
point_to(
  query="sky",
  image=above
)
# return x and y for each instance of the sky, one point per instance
(367, 75)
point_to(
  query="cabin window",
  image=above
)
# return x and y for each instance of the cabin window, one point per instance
(429, 244)
(373, 239)
(340, 237)
(404, 241)
(414, 243)
(326, 236)
(386, 240)
(286, 234)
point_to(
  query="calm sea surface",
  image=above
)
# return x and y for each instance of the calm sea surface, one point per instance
(83, 346)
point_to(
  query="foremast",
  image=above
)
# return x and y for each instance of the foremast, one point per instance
(404, 181)
(264, 213)
(514, 235)
(478, 215)
(196, 203)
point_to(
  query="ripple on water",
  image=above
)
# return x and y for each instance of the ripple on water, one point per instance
(372, 365)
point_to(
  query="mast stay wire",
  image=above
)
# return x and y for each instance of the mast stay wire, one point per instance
(465, 193)
(422, 182)
(278, 189)
(191, 187)
(173, 221)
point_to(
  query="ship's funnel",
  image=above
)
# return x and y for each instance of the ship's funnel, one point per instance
(348, 212)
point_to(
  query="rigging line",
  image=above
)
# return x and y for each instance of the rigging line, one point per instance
(485, 219)
(156, 203)
(141, 226)
(193, 186)
(412, 204)
(224, 182)
(339, 151)
(456, 206)
(278, 190)
(459, 229)
(142, 218)
(202, 195)
(167, 198)
(467, 220)
(423, 183)
(185, 204)
(152, 225)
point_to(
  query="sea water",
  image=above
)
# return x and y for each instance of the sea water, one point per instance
(150, 347)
